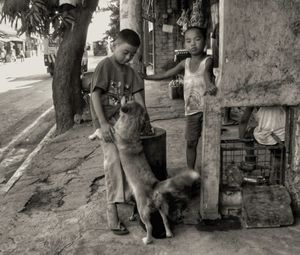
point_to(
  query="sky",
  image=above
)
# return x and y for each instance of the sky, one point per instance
(99, 23)
(98, 26)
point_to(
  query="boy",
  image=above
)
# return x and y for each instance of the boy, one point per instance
(197, 83)
(114, 82)
(270, 128)
(267, 129)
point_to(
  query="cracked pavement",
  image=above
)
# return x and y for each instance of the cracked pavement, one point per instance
(58, 205)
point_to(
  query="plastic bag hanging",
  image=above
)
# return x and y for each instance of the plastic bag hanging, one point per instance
(197, 16)
(183, 21)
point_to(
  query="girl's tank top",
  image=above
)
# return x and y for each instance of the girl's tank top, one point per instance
(194, 88)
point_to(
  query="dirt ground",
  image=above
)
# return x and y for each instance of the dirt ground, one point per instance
(58, 205)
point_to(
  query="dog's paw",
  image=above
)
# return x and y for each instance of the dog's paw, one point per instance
(147, 240)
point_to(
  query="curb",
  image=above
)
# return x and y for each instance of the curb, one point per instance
(17, 175)
(17, 138)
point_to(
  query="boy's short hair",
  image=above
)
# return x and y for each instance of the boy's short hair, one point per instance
(201, 30)
(129, 36)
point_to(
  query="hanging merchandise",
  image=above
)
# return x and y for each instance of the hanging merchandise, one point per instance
(197, 15)
(169, 7)
(214, 12)
(148, 10)
(183, 21)
(167, 28)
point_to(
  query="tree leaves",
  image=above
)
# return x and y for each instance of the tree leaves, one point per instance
(38, 16)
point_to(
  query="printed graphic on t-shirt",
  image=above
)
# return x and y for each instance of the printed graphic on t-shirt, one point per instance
(194, 101)
(127, 93)
(114, 93)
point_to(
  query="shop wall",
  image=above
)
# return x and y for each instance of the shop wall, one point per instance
(260, 52)
(165, 43)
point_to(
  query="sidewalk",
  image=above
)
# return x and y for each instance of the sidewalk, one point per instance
(58, 206)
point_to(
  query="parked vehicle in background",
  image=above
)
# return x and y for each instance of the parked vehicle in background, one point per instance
(50, 51)
(100, 48)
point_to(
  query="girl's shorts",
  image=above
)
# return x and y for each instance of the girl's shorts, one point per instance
(193, 127)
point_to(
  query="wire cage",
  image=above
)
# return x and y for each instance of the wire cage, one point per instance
(250, 162)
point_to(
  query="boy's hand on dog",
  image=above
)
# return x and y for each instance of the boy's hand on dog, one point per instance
(107, 132)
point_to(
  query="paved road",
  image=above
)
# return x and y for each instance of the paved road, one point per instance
(25, 95)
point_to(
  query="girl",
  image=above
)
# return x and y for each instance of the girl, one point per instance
(197, 83)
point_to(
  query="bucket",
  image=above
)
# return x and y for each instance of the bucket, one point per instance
(155, 148)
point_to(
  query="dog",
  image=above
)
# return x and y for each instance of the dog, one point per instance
(150, 194)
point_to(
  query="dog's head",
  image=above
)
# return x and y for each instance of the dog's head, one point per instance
(131, 121)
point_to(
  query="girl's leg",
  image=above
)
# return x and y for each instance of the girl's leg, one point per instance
(191, 153)
(193, 131)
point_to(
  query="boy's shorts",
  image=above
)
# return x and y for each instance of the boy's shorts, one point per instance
(193, 127)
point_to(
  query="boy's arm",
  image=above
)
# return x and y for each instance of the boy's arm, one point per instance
(244, 121)
(106, 128)
(211, 88)
(171, 72)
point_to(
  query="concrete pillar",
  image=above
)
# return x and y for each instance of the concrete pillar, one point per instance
(293, 170)
(131, 17)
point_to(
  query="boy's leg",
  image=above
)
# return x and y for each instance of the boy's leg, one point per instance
(115, 183)
(192, 133)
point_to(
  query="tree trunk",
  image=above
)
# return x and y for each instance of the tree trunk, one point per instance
(66, 84)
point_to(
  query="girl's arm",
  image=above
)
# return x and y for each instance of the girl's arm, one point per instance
(211, 88)
(171, 72)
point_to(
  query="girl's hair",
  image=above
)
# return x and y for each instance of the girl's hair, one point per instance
(129, 36)
(201, 30)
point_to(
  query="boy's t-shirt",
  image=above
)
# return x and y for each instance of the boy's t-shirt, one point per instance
(271, 119)
(118, 82)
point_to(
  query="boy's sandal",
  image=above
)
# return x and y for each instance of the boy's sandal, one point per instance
(120, 230)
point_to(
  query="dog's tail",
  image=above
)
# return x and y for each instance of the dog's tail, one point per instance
(181, 186)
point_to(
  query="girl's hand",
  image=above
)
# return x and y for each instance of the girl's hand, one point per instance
(107, 132)
(211, 90)
(142, 75)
